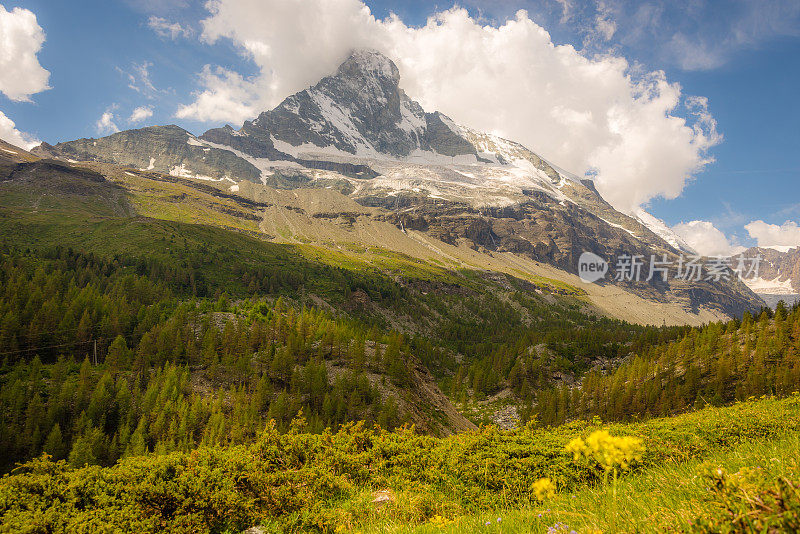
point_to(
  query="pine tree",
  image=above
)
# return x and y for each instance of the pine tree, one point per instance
(82, 452)
(54, 444)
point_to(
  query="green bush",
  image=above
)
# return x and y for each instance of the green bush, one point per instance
(297, 481)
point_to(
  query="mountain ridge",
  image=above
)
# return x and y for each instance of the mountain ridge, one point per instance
(357, 132)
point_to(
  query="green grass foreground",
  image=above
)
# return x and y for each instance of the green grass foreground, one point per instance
(675, 496)
(329, 482)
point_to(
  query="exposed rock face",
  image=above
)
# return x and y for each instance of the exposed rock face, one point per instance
(254, 143)
(166, 149)
(360, 110)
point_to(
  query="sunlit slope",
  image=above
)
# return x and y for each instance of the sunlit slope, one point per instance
(326, 218)
(325, 224)
(331, 482)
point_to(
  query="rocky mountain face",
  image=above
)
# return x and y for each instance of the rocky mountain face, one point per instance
(778, 274)
(357, 132)
(167, 149)
(360, 111)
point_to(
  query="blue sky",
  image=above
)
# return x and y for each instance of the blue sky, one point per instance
(742, 56)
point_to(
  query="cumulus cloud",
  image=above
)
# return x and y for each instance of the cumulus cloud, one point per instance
(21, 38)
(593, 114)
(10, 134)
(105, 125)
(21, 75)
(141, 113)
(228, 97)
(167, 29)
(707, 239)
(772, 235)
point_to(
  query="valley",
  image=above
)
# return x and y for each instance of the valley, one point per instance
(351, 314)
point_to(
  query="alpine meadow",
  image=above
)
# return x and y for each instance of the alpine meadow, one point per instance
(368, 266)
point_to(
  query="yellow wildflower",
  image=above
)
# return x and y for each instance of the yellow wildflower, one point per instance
(439, 521)
(609, 451)
(543, 489)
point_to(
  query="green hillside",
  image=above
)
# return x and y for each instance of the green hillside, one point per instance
(364, 479)
(163, 366)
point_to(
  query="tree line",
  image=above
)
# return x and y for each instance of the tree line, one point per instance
(717, 364)
(99, 362)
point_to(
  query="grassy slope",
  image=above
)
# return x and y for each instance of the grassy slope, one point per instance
(667, 497)
(366, 245)
(111, 220)
(668, 494)
(159, 212)
(303, 482)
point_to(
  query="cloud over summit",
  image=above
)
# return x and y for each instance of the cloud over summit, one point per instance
(583, 113)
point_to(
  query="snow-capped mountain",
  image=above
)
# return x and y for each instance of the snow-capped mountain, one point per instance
(778, 276)
(357, 132)
(361, 116)
(360, 111)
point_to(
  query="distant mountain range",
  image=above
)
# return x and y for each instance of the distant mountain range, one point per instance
(356, 144)
(778, 275)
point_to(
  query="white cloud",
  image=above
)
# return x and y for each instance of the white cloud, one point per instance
(227, 97)
(167, 29)
(10, 134)
(584, 114)
(772, 235)
(21, 38)
(601, 29)
(105, 125)
(141, 113)
(695, 54)
(139, 79)
(605, 27)
(707, 239)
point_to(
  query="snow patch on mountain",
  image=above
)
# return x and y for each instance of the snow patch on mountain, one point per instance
(265, 166)
(305, 150)
(772, 287)
(181, 171)
(658, 227)
(411, 122)
(426, 157)
(620, 227)
(342, 121)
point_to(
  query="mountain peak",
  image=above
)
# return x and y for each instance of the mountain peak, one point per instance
(369, 63)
